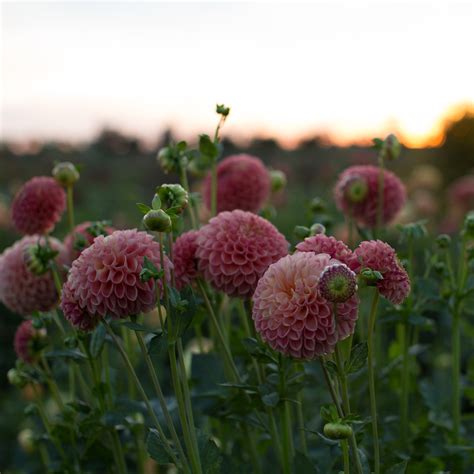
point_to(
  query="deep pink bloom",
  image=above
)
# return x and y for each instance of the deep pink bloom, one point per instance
(20, 290)
(379, 256)
(356, 194)
(105, 279)
(26, 338)
(80, 239)
(290, 313)
(461, 193)
(243, 183)
(38, 206)
(337, 249)
(184, 258)
(235, 249)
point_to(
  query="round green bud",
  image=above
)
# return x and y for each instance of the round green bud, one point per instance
(27, 441)
(167, 159)
(301, 232)
(317, 228)
(337, 431)
(391, 147)
(174, 198)
(277, 180)
(443, 241)
(317, 205)
(15, 377)
(355, 189)
(157, 221)
(65, 173)
(370, 277)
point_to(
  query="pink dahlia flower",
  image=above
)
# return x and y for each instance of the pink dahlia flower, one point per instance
(184, 258)
(356, 194)
(379, 256)
(105, 279)
(20, 290)
(38, 206)
(81, 238)
(28, 341)
(337, 249)
(290, 313)
(243, 183)
(235, 249)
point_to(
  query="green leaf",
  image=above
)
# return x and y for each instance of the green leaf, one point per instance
(331, 367)
(399, 468)
(72, 354)
(134, 326)
(156, 345)
(271, 399)
(357, 359)
(97, 340)
(156, 448)
(208, 148)
(211, 458)
(143, 207)
(329, 413)
(182, 312)
(156, 202)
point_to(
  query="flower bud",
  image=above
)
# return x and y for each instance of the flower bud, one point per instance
(157, 220)
(370, 277)
(337, 283)
(443, 241)
(65, 173)
(26, 440)
(317, 228)
(301, 232)
(317, 205)
(174, 197)
(38, 258)
(469, 225)
(355, 189)
(15, 377)
(277, 180)
(391, 147)
(337, 431)
(167, 159)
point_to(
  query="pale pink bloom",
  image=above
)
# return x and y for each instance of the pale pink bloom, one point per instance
(26, 338)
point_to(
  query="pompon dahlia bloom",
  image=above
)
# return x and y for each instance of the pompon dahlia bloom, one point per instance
(38, 206)
(243, 183)
(184, 258)
(337, 249)
(379, 256)
(290, 313)
(356, 194)
(81, 238)
(28, 341)
(235, 249)
(20, 290)
(105, 279)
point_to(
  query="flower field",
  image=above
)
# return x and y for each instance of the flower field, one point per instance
(232, 322)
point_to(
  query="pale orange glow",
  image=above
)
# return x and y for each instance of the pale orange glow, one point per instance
(348, 70)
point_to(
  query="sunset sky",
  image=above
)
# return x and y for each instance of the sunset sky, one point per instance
(353, 69)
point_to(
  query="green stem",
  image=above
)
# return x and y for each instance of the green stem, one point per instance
(70, 207)
(128, 348)
(142, 392)
(345, 455)
(161, 398)
(185, 184)
(405, 384)
(300, 416)
(380, 200)
(287, 444)
(52, 384)
(187, 399)
(371, 377)
(456, 370)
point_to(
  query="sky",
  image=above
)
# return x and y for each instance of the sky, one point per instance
(351, 70)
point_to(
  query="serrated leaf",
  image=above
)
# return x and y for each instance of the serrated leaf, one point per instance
(156, 448)
(357, 359)
(143, 207)
(97, 340)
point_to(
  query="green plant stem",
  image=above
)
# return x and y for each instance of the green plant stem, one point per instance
(70, 206)
(128, 349)
(51, 383)
(142, 392)
(188, 439)
(456, 371)
(405, 383)
(170, 252)
(161, 398)
(185, 184)
(300, 417)
(345, 456)
(287, 443)
(346, 404)
(380, 196)
(187, 399)
(371, 377)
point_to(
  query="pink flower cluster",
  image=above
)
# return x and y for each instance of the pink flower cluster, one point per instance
(243, 183)
(235, 249)
(184, 258)
(105, 279)
(20, 290)
(356, 194)
(290, 313)
(25, 339)
(38, 206)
